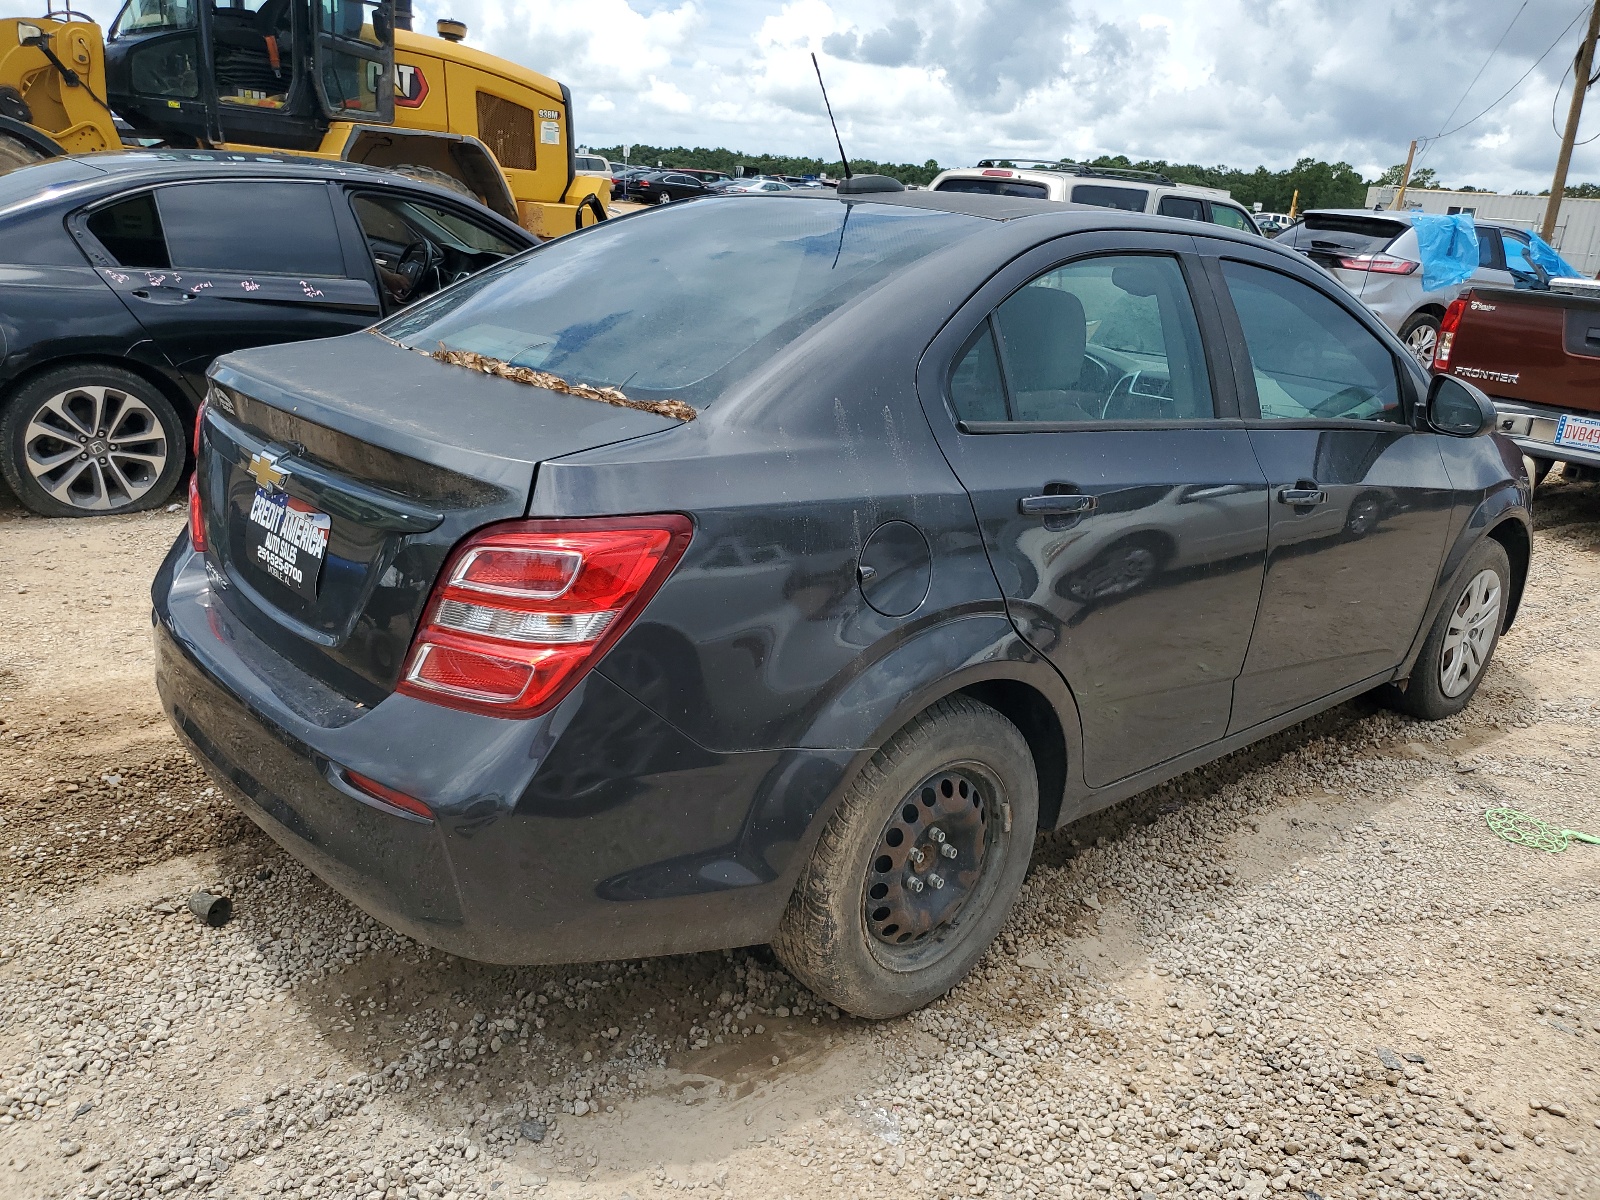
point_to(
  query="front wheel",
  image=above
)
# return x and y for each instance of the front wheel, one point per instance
(90, 440)
(1456, 655)
(916, 870)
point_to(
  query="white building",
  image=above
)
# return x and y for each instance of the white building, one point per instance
(1577, 226)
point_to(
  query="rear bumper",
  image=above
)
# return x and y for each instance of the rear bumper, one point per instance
(598, 831)
(1532, 428)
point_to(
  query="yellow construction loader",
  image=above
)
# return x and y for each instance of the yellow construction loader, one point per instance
(335, 79)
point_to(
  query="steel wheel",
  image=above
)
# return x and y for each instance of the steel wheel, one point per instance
(929, 863)
(1470, 635)
(95, 448)
(1422, 341)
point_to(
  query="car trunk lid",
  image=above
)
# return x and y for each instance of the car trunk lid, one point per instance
(337, 475)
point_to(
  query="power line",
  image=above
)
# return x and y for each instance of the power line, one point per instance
(1482, 69)
(1520, 79)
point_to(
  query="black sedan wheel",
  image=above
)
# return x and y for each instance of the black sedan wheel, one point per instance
(1464, 634)
(915, 872)
(90, 440)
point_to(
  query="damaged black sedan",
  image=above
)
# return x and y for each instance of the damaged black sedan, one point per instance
(786, 593)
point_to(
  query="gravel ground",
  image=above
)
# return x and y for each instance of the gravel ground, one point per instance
(1307, 969)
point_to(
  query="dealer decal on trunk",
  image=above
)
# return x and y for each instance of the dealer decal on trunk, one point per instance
(285, 537)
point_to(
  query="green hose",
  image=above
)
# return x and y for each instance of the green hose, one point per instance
(1524, 830)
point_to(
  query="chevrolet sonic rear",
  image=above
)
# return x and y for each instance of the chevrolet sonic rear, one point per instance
(783, 594)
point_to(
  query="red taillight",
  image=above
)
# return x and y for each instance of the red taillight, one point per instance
(1383, 264)
(197, 519)
(409, 805)
(523, 610)
(1448, 324)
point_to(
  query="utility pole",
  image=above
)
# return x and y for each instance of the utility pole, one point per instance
(1580, 85)
(1405, 175)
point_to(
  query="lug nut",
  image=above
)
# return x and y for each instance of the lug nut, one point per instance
(947, 850)
(915, 884)
(936, 834)
(83, 458)
(917, 856)
(81, 438)
(937, 881)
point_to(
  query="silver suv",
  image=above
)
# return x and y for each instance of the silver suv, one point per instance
(1103, 187)
(1375, 256)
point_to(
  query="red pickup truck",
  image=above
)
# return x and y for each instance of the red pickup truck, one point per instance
(1537, 354)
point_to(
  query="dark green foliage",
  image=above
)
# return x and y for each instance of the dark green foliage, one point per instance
(766, 164)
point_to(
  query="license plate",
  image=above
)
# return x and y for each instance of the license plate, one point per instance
(288, 539)
(1578, 431)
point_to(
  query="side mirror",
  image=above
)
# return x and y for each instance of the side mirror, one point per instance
(1458, 408)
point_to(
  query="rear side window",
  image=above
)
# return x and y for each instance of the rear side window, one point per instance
(1103, 339)
(1186, 207)
(1127, 199)
(996, 187)
(1490, 251)
(1311, 359)
(714, 289)
(1232, 218)
(1345, 234)
(131, 231)
(257, 227)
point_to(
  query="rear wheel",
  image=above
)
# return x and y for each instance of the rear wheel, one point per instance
(90, 440)
(1456, 655)
(916, 870)
(14, 153)
(1421, 336)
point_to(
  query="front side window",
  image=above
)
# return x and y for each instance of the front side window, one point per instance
(711, 295)
(1230, 217)
(257, 227)
(1101, 196)
(1311, 359)
(1101, 339)
(130, 230)
(168, 68)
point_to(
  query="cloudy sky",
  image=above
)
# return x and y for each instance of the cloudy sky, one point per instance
(1242, 82)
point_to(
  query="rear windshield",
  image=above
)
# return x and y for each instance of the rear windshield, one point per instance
(712, 290)
(1128, 199)
(1343, 234)
(996, 187)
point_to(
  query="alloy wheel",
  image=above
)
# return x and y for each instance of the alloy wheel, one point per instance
(1470, 634)
(1422, 341)
(929, 863)
(95, 448)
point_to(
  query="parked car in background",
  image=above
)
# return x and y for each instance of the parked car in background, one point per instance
(620, 177)
(704, 174)
(591, 164)
(659, 187)
(758, 184)
(123, 275)
(932, 520)
(1537, 354)
(1375, 255)
(1272, 223)
(1102, 187)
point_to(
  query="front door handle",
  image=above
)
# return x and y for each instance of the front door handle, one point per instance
(1299, 496)
(1056, 505)
(167, 298)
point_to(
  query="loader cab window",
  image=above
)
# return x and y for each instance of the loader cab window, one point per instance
(147, 16)
(355, 56)
(419, 248)
(252, 46)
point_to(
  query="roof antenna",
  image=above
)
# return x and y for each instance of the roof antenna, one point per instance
(843, 161)
(852, 185)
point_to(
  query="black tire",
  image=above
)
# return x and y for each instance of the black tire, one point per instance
(145, 428)
(833, 937)
(1421, 336)
(437, 178)
(16, 153)
(1426, 695)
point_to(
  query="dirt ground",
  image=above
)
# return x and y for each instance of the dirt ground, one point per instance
(1308, 970)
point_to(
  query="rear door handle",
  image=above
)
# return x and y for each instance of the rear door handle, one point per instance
(1298, 496)
(168, 296)
(1056, 505)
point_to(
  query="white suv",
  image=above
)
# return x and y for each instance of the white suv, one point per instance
(1103, 187)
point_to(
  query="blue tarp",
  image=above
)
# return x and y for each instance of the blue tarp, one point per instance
(1544, 255)
(1448, 247)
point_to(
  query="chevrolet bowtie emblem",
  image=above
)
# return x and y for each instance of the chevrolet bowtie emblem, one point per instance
(264, 470)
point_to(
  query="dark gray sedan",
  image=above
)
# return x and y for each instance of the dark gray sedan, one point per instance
(786, 593)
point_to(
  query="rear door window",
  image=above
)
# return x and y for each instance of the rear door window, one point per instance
(1491, 253)
(996, 187)
(266, 227)
(1101, 196)
(1186, 207)
(131, 231)
(1102, 339)
(1231, 218)
(1311, 359)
